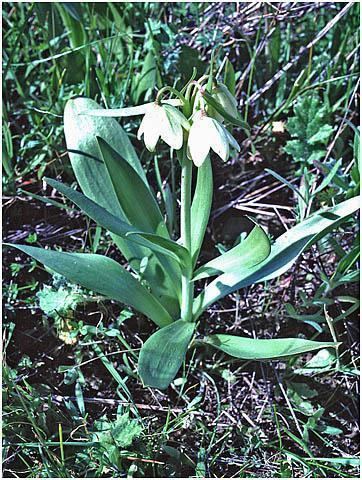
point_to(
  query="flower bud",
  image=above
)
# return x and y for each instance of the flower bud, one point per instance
(223, 96)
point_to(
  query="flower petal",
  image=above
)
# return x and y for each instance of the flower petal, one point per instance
(218, 140)
(152, 127)
(199, 140)
(232, 140)
(171, 130)
(178, 116)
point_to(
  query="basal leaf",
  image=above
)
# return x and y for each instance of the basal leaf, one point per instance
(80, 133)
(163, 353)
(284, 252)
(263, 349)
(241, 258)
(101, 275)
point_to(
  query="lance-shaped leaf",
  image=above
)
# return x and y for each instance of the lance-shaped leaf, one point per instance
(135, 197)
(264, 349)
(201, 207)
(241, 258)
(101, 275)
(121, 228)
(163, 353)
(283, 254)
(227, 116)
(94, 181)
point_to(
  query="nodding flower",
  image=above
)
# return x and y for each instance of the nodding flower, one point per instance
(165, 122)
(207, 133)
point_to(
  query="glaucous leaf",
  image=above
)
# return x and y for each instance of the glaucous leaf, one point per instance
(101, 275)
(241, 258)
(229, 77)
(263, 349)
(80, 134)
(121, 228)
(135, 197)
(163, 353)
(284, 252)
(129, 111)
(94, 181)
(230, 118)
(167, 247)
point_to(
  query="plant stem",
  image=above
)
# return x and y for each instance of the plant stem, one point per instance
(172, 90)
(185, 230)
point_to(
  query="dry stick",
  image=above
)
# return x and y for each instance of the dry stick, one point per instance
(266, 205)
(250, 65)
(302, 51)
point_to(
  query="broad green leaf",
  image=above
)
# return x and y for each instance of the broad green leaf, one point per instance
(163, 353)
(101, 275)
(266, 349)
(284, 252)
(95, 183)
(248, 253)
(201, 206)
(229, 77)
(135, 197)
(90, 171)
(216, 105)
(123, 229)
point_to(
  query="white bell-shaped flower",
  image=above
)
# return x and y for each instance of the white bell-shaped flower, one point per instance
(207, 133)
(165, 122)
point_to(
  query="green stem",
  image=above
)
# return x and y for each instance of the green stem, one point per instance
(172, 90)
(185, 230)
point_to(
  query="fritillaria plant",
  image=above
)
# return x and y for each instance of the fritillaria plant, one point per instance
(163, 273)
